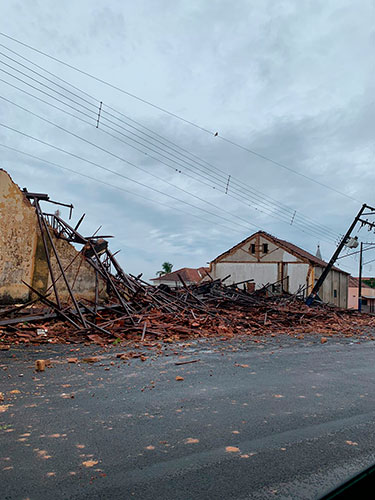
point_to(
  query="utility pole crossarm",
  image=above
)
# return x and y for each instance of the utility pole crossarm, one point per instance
(367, 223)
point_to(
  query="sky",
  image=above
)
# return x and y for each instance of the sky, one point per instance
(292, 81)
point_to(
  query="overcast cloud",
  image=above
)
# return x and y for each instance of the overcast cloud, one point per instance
(292, 80)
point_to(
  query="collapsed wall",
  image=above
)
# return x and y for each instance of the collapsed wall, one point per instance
(23, 258)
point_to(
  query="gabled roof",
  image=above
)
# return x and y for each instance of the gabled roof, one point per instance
(188, 274)
(286, 245)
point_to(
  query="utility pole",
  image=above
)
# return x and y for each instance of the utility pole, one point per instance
(310, 299)
(360, 280)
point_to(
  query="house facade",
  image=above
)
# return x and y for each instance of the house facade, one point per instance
(368, 295)
(267, 260)
(190, 276)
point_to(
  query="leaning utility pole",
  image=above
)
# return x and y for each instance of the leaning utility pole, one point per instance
(310, 299)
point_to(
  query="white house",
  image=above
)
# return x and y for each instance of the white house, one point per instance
(191, 276)
(267, 259)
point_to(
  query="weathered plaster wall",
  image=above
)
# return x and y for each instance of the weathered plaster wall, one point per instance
(261, 273)
(22, 253)
(268, 267)
(334, 281)
(298, 275)
(262, 267)
(353, 295)
(344, 287)
(244, 254)
(18, 240)
(80, 275)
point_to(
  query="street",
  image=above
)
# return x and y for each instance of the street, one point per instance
(277, 418)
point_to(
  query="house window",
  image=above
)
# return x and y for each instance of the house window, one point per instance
(265, 247)
(252, 248)
(335, 293)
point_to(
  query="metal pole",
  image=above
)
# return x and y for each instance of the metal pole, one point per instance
(360, 280)
(44, 299)
(315, 290)
(46, 251)
(61, 266)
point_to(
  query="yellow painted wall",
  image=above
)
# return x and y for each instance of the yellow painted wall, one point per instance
(18, 238)
(22, 254)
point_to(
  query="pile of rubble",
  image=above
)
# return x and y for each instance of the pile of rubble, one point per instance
(139, 311)
(123, 306)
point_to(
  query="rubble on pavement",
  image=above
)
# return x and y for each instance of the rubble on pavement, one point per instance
(131, 309)
(145, 313)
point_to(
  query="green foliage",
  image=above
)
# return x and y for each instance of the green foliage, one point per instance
(166, 268)
(370, 282)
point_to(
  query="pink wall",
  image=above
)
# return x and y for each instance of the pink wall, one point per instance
(352, 298)
(353, 295)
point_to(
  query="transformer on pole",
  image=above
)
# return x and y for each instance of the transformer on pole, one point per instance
(347, 240)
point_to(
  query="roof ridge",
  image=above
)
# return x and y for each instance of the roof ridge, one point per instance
(304, 254)
(187, 273)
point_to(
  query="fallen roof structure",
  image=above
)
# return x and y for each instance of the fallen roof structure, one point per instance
(209, 309)
(122, 306)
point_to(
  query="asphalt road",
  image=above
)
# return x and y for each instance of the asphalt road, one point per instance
(282, 419)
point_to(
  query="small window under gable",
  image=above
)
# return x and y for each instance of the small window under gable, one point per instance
(265, 247)
(335, 293)
(252, 248)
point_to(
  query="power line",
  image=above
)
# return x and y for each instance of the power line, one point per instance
(107, 83)
(146, 171)
(286, 209)
(240, 185)
(133, 165)
(194, 157)
(355, 253)
(174, 115)
(157, 152)
(108, 184)
(132, 193)
(314, 229)
(99, 180)
(113, 171)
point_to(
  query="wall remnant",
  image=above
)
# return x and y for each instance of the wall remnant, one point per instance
(23, 257)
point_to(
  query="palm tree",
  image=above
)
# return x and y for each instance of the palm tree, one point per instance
(166, 268)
